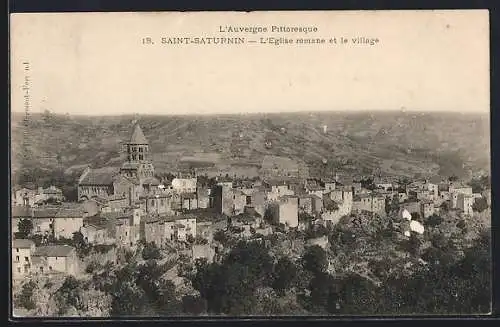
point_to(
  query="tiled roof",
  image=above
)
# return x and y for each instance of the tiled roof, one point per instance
(21, 212)
(45, 212)
(138, 136)
(70, 213)
(53, 251)
(98, 177)
(115, 215)
(22, 243)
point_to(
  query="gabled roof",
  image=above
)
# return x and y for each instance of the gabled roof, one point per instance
(22, 243)
(53, 251)
(70, 213)
(138, 136)
(103, 176)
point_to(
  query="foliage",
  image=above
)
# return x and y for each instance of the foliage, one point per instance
(434, 220)
(480, 204)
(316, 231)
(221, 237)
(92, 267)
(445, 206)
(391, 205)
(151, 251)
(229, 287)
(314, 259)
(25, 298)
(194, 305)
(284, 275)
(69, 295)
(25, 227)
(480, 184)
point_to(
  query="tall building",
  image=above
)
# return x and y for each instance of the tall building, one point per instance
(138, 164)
(135, 177)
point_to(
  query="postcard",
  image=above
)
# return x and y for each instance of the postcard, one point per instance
(250, 164)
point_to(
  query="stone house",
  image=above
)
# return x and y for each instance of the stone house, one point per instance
(286, 211)
(427, 208)
(465, 203)
(184, 185)
(55, 259)
(22, 251)
(310, 204)
(371, 203)
(43, 220)
(67, 221)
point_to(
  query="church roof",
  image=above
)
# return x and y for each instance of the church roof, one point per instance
(98, 177)
(138, 136)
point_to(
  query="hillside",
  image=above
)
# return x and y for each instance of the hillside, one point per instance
(401, 143)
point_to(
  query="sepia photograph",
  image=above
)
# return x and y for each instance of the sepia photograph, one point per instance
(250, 164)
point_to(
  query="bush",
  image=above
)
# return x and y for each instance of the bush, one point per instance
(151, 251)
(194, 304)
(25, 298)
(92, 267)
(480, 205)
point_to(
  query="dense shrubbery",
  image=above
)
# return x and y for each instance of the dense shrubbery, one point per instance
(151, 251)
(25, 298)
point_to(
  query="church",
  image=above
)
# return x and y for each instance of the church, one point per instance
(134, 178)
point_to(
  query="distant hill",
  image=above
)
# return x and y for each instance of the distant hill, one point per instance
(403, 143)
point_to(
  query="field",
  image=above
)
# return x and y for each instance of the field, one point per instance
(396, 143)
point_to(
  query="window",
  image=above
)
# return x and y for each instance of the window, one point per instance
(26, 259)
(17, 249)
(131, 244)
(141, 157)
(18, 269)
(17, 258)
(140, 149)
(50, 268)
(125, 233)
(26, 270)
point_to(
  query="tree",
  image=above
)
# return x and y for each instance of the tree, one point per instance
(285, 273)
(480, 204)
(25, 298)
(194, 305)
(151, 251)
(414, 244)
(69, 295)
(314, 259)
(434, 220)
(445, 206)
(25, 227)
(221, 237)
(322, 293)
(78, 240)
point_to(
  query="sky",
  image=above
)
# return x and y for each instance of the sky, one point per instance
(95, 63)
